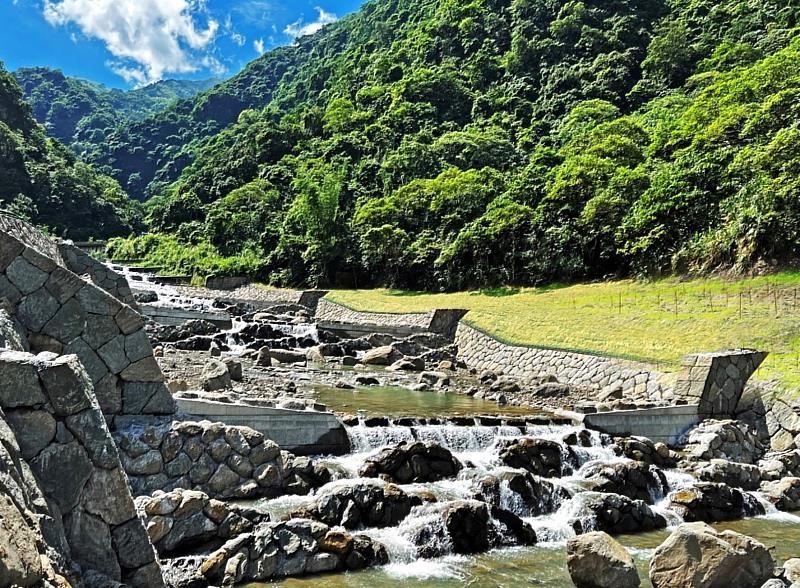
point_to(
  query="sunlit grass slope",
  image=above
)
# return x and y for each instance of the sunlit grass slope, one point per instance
(657, 322)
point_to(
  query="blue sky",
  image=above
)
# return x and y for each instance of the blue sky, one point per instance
(125, 43)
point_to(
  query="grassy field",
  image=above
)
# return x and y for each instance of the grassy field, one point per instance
(657, 322)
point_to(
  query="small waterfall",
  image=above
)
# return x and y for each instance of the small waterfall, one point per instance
(367, 439)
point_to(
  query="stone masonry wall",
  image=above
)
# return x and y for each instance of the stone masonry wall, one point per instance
(716, 380)
(328, 311)
(483, 352)
(63, 313)
(78, 262)
(86, 511)
(30, 235)
(220, 460)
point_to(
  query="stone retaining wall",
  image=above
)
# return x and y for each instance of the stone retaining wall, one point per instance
(78, 262)
(219, 460)
(87, 515)
(226, 282)
(484, 352)
(62, 313)
(328, 311)
(30, 235)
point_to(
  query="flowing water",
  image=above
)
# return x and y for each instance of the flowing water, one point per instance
(397, 401)
(542, 565)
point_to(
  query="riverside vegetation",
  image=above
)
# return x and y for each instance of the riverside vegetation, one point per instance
(657, 322)
(447, 145)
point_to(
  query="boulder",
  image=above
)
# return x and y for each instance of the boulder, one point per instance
(596, 560)
(633, 479)
(541, 457)
(644, 450)
(613, 514)
(791, 570)
(739, 475)
(410, 462)
(287, 356)
(407, 364)
(234, 368)
(697, 556)
(784, 493)
(215, 375)
(436, 379)
(383, 355)
(467, 524)
(363, 504)
(726, 439)
(710, 502)
(538, 496)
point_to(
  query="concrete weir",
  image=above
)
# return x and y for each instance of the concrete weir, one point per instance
(303, 432)
(665, 424)
(166, 315)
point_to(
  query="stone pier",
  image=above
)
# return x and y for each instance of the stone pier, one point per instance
(715, 381)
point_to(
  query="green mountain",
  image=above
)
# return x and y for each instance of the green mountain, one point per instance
(81, 113)
(42, 181)
(445, 144)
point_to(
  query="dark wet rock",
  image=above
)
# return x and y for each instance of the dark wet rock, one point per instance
(291, 548)
(537, 494)
(412, 462)
(363, 504)
(145, 296)
(467, 526)
(633, 479)
(698, 556)
(436, 379)
(541, 457)
(614, 514)
(367, 381)
(643, 449)
(709, 502)
(582, 438)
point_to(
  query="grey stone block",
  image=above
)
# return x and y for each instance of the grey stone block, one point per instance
(25, 276)
(36, 309)
(68, 322)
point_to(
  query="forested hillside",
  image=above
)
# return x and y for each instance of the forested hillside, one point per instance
(80, 113)
(451, 144)
(41, 180)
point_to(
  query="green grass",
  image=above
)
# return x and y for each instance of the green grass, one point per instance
(656, 322)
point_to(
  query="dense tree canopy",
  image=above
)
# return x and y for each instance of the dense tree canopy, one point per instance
(449, 144)
(40, 180)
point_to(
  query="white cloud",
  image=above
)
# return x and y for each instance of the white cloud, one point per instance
(148, 38)
(235, 36)
(300, 28)
(258, 45)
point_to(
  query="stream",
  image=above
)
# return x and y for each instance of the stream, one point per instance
(541, 565)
